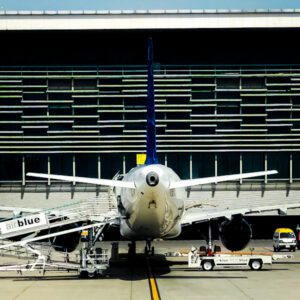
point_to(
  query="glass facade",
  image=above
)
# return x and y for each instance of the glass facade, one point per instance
(90, 121)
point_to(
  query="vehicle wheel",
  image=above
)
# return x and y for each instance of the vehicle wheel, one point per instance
(255, 264)
(207, 265)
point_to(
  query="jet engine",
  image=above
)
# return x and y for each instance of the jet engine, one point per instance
(67, 242)
(235, 233)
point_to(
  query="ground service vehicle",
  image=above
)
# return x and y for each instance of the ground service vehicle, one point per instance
(284, 238)
(298, 236)
(232, 260)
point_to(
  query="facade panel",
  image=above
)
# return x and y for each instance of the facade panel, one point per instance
(247, 118)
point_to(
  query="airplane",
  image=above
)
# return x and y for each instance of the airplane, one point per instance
(151, 197)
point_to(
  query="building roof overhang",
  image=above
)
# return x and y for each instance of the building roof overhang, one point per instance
(148, 19)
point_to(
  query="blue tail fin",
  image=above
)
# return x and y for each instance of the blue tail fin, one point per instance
(151, 130)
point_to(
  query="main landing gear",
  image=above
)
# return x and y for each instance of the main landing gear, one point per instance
(149, 250)
(132, 249)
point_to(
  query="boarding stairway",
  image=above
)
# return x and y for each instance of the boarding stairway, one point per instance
(99, 209)
(15, 251)
(32, 230)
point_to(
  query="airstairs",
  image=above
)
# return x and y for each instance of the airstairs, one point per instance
(98, 209)
(14, 251)
(17, 251)
(90, 216)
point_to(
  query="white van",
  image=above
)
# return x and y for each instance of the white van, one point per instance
(284, 238)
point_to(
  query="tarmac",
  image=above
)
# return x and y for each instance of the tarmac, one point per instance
(159, 277)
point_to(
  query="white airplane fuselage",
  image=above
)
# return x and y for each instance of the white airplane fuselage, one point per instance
(152, 209)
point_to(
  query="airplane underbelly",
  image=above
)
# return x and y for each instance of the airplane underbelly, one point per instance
(153, 219)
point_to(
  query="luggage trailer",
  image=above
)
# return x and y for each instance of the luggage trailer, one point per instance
(226, 260)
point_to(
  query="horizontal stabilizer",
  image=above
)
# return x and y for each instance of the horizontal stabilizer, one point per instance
(106, 182)
(207, 180)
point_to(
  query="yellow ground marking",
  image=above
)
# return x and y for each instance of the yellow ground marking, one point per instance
(152, 283)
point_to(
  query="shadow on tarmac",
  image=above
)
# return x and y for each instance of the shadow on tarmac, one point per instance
(228, 270)
(202, 277)
(286, 263)
(135, 269)
(126, 268)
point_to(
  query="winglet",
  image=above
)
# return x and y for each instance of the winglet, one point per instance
(151, 130)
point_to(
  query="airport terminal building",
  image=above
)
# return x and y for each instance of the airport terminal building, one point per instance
(227, 92)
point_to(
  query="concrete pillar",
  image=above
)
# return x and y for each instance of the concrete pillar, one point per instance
(23, 171)
(74, 167)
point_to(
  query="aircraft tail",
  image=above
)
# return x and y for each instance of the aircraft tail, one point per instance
(151, 129)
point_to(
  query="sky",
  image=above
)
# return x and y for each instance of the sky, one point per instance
(144, 4)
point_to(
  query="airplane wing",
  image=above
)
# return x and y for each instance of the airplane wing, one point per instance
(198, 215)
(106, 182)
(216, 179)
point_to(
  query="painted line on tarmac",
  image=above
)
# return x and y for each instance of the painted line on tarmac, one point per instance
(152, 283)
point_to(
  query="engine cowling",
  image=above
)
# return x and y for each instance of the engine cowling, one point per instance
(236, 233)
